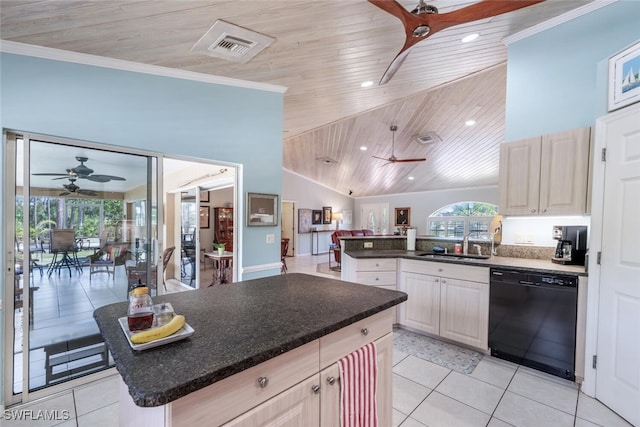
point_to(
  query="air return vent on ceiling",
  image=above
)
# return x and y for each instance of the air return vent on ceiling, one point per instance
(231, 42)
(428, 138)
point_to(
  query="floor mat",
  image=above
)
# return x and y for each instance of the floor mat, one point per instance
(439, 352)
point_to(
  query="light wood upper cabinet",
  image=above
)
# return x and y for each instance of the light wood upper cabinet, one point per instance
(546, 175)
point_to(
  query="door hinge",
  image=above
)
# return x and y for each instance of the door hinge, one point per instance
(598, 258)
(604, 155)
(594, 362)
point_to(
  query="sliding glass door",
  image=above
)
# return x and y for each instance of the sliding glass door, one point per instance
(85, 231)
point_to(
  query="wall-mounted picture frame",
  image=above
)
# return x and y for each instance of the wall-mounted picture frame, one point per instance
(262, 210)
(304, 221)
(204, 216)
(316, 217)
(347, 216)
(402, 217)
(326, 214)
(204, 196)
(624, 77)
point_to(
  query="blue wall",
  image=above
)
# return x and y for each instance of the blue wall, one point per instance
(557, 79)
(149, 112)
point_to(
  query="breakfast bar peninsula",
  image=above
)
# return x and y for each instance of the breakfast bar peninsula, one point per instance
(262, 351)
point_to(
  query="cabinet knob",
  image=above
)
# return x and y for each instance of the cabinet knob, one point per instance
(315, 389)
(377, 279)
(544, 210)
(436, 280)
(377, 265)
(263, 382)
(533, 211)
(331, 380)
(444, 281)
(364, 331)
(440, 270)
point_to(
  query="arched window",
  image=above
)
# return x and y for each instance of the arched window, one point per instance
(463, 218)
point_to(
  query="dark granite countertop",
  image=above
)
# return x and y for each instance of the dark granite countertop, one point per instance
(520, 264)
(237, 326)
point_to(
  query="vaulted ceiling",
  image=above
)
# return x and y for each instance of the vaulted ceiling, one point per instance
(323, 51)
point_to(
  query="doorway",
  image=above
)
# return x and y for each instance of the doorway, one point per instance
(288, 226)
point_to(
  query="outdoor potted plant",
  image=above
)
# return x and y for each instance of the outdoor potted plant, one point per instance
(219, 247)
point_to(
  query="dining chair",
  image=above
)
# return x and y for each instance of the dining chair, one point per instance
(107, 259)
(64, 250)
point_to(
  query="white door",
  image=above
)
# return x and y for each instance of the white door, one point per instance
(375, 216)
(618, 371)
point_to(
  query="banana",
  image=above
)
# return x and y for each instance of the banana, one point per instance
(156, 333)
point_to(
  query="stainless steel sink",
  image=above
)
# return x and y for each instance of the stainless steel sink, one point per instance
(459, 257)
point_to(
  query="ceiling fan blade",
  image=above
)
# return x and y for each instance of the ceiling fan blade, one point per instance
(395, 65)
(64, 193)
(96, 178)
(87, 192)
(381, 158)
(409, 160)
(64, 175)
(108, 177)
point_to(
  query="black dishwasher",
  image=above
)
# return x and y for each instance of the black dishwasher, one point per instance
(532, 320)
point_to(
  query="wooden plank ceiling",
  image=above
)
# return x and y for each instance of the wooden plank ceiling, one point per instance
(323, 50)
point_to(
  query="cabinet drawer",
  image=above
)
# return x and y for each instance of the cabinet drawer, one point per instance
(350, 338)
(241, 392)
(445, 269)
(377, 278)
(376, 264)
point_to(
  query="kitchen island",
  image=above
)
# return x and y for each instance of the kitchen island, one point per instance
(262, 346)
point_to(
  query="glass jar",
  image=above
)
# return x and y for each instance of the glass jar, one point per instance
(140, 313)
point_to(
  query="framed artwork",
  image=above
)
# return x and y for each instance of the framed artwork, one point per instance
(624, 77)
(403, 217)
(204, 196)
(204, 216)
(262, 210)
(316, 217)
(326, 215)
(304, 221)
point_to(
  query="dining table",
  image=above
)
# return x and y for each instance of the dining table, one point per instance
(222, 266)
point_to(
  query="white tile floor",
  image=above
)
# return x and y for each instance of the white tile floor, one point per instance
(496, 394)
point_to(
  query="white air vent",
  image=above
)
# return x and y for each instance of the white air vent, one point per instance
(230, 42)
(428, 138)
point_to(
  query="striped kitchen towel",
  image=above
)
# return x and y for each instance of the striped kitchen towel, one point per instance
(358, 384)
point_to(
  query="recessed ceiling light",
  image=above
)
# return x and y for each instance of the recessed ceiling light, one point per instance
(470, 122)
(411, 178)
(363, 148)
(470, 37)
(367, 83)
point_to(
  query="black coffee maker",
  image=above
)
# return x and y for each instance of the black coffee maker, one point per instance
(572, 244)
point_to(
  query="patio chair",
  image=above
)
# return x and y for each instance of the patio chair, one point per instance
(107, 259)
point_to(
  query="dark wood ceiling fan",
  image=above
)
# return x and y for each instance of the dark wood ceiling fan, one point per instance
(72, 188)
(82, 171)
(393, 158)
(425, 21)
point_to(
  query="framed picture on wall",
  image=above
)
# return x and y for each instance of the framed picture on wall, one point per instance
(326, 215)
(624, 77)
(403, 217)
(304, 221)
(316, 217)
(262, 210)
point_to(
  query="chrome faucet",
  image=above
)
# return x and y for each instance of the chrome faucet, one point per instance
(465, 244)
(478, 249)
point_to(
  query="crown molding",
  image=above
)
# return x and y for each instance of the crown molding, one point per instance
(136, 67)
(558, 20)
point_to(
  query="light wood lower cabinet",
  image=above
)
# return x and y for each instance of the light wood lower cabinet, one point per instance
(447, 300)
(290, 390)
(298, 406)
